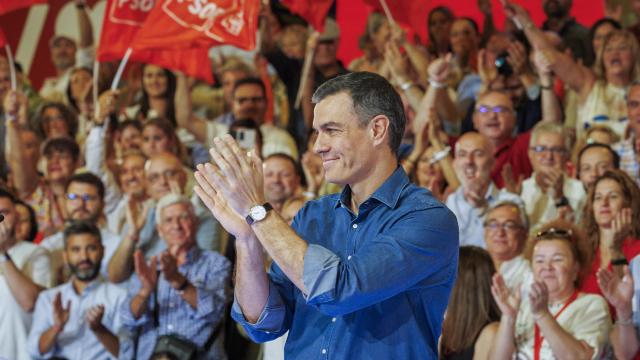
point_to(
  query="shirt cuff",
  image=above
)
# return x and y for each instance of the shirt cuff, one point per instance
(271, 318)
(320, 274)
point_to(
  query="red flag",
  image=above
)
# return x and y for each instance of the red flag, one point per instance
(12, 5)
(3, 39)
(194, 23)
(313, 11)
(121, 23)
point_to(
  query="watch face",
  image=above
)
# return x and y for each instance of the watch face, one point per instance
(258, 212)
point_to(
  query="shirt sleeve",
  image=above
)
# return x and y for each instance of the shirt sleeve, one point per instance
(94, 159)
(212, 291)
(41, 268)
(126, 319)
(594, 325)
(42, 321)
(421, 249)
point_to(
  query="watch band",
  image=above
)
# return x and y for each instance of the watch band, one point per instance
(619, 261)
(267, 207)
(562, 202)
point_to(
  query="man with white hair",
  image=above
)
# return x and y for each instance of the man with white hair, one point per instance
(549, 193)
(473, 161)
(186, 297)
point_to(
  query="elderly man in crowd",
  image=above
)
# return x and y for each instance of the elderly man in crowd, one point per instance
(629, 148)
(84, 200)
(78, 319)
(181, 291)
(505, 234)
(473, 162)
(549, 192)
(164, 174)
(24, 272)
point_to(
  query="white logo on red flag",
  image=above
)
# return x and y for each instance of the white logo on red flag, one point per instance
(130, 12)
(213, 18)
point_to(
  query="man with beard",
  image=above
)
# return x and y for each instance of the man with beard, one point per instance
(281, 180)
(574, 36)
(24, 272)
(84, 200)
(549, 193)
(78, 319)
(473, 162)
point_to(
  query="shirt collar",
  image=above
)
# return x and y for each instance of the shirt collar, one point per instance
(90, 287)
(388, 193)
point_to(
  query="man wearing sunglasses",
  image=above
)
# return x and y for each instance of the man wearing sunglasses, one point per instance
(549, 193)
(84, 201)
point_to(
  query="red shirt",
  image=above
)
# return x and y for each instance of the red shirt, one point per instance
(514, 152)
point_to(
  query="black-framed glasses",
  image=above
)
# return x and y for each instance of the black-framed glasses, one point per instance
(508, 226)
(553, 233)
(83, 197)
(484, 109)
(540, 149)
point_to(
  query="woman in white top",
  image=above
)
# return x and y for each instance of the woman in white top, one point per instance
(601, 91)
(555, 320)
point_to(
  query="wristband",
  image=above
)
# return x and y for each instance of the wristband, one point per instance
(406, 85)
(184, 285)
(436, 84)
(562, 202)
(628, 321)
(440, 155)
(619, 261)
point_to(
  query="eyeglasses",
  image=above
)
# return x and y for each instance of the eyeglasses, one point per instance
(508, 226)
(553, 233)
(167, 174)
(83, 197)
(484, 109)
(543, 149)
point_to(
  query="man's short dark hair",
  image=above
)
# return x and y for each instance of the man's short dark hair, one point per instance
(372, 95)
(87, 178)
(4, 193)
(81, 227)
(64, 145)
(614, 155)
(251, 80)
(296, 167)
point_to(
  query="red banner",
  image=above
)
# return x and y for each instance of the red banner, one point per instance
(12, 5)
(200, 23)
(313, 11)
(123, 19)
(3, 39)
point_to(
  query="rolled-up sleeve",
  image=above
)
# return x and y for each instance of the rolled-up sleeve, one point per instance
(413, 252)
(272, 321)
(128, 321)
(211, 293)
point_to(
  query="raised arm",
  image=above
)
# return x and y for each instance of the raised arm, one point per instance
(509, 303)
(25, 174)
(184, 114)
(84, 25)
(551, 108)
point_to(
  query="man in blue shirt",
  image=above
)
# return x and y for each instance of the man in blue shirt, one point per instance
(362, 274)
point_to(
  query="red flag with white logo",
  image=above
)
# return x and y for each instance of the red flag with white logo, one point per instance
(313, 11)
(7, 6)
(3, 39)
(123, 19)
(195, 23)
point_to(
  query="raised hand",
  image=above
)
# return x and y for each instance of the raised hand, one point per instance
(618, 292)
(313, 171)
(440, 68)
(60, 313)
(169, 268)
(15, 106)
(539, 299)
(508, 301)
(396, 63)
(621, 227)
(147, 273)
(517, 58)
(94, 317)
(106, 105)
(487, 72)
(135, 218)
(512, 184)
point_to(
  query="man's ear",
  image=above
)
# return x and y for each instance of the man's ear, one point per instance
(379, 126)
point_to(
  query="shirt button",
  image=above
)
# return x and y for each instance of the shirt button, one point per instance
(324, 351)
(169, 327)
(349, 257)
(333, 320)
(355, 226)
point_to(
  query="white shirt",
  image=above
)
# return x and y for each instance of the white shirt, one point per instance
(541, 207)
(517, 272)
(77, 341)
(55, 245)
(33, 261)
(471, 219)
(586, 319)
(55, 88)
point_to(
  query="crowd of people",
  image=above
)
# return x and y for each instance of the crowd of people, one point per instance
(110, 248)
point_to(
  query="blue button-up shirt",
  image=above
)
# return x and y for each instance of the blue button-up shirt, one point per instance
(209, 273)
(378, 281)
(77, 341)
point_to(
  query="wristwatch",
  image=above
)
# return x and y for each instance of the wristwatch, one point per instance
(562, 202)
(258, 213)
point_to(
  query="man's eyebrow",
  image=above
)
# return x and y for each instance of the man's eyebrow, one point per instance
(331, 124)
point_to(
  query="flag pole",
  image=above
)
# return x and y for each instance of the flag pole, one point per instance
(94, 90)
(387, 11)
(12, 68)
(123, 64)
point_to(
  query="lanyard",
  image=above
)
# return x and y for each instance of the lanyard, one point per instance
(537, 340)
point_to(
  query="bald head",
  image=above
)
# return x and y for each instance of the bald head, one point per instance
(473, 159)
(162, 172)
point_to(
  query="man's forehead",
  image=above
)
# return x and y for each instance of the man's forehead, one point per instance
(75, 185)
(163, 163)
(248, 90)
(550, 137)
(178, 208)
(509, 212)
